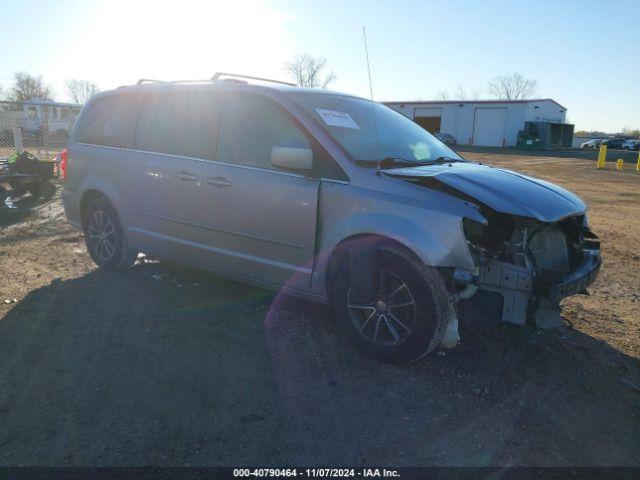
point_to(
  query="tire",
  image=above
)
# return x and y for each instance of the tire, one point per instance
(3, 196)
(367, 324)
(105, 237)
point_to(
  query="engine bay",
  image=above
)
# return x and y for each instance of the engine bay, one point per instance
(523, 260)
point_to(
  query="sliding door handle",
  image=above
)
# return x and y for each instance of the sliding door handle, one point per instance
(218, 181)
(187, 176)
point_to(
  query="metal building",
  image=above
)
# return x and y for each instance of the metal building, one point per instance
(492, 122)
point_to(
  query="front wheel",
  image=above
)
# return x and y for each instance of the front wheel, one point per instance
(406, 316)
(105, 237)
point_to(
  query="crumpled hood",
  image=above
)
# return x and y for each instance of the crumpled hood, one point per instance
(500, 189)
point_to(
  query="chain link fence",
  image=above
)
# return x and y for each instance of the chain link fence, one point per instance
(39, 127)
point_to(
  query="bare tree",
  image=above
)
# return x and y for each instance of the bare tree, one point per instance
(631, 132)
(460, 93)
(511, 86)
(81, 90)
(26, 86)
(308, 71)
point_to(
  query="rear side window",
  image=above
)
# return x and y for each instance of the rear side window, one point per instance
(178, 123)
(109, 121)
(250, 127)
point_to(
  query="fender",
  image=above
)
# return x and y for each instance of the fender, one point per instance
(443, 250)
(427, 222)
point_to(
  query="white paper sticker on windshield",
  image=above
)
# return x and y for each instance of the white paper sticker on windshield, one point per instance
(337, 119)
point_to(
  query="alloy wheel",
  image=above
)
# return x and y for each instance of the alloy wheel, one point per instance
(389, 318)
(102, 235)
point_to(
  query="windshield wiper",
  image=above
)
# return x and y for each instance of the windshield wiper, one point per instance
(389, 162)
(441, 160)
(396, 162)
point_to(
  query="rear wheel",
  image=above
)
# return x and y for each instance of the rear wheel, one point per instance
(105, 237)
(406, 316)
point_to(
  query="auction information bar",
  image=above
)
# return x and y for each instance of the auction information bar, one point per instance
(231, 473)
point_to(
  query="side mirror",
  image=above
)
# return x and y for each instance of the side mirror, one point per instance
(292, 156)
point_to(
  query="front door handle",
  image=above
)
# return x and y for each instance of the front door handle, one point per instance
(187, 176)
(218, 181)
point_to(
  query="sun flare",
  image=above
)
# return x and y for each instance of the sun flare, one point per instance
(177, 40)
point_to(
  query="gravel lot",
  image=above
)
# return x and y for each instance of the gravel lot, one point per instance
(165, 366)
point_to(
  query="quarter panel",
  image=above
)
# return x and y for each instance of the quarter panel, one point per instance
(106, 188)
(96, 168)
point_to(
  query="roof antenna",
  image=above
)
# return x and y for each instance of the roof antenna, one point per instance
(373, 112)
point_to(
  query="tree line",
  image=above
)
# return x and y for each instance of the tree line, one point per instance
(309, 71)
(508, 86)
(304, 69)
(26, 87)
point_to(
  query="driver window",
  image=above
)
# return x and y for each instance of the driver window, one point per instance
(251, 125)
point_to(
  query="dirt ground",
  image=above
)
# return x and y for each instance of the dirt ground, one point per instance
(165, 366)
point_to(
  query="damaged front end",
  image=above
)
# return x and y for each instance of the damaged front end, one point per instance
(534, 249)
(531, 264)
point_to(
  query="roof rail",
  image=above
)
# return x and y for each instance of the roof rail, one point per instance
(222, 74)
(217, 76)
(190, 81)
(149, 80)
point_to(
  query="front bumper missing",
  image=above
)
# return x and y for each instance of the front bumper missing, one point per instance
(518, 286)
(574, 282)
(514, 283)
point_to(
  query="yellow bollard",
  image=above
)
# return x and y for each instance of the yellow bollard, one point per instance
(620, 164)
(602, 156)
(638, 164)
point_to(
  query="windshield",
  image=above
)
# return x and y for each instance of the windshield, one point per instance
(349, 121)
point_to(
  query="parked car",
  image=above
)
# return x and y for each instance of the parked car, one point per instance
(613, 143)
(446, 138)
(324, 196)
(595, 143)
(631, 145)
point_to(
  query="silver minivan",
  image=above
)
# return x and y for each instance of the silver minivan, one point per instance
(326, 196)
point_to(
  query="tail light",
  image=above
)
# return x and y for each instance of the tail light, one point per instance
(64, 160)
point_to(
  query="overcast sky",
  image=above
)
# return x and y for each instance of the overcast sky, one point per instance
(584, 54)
